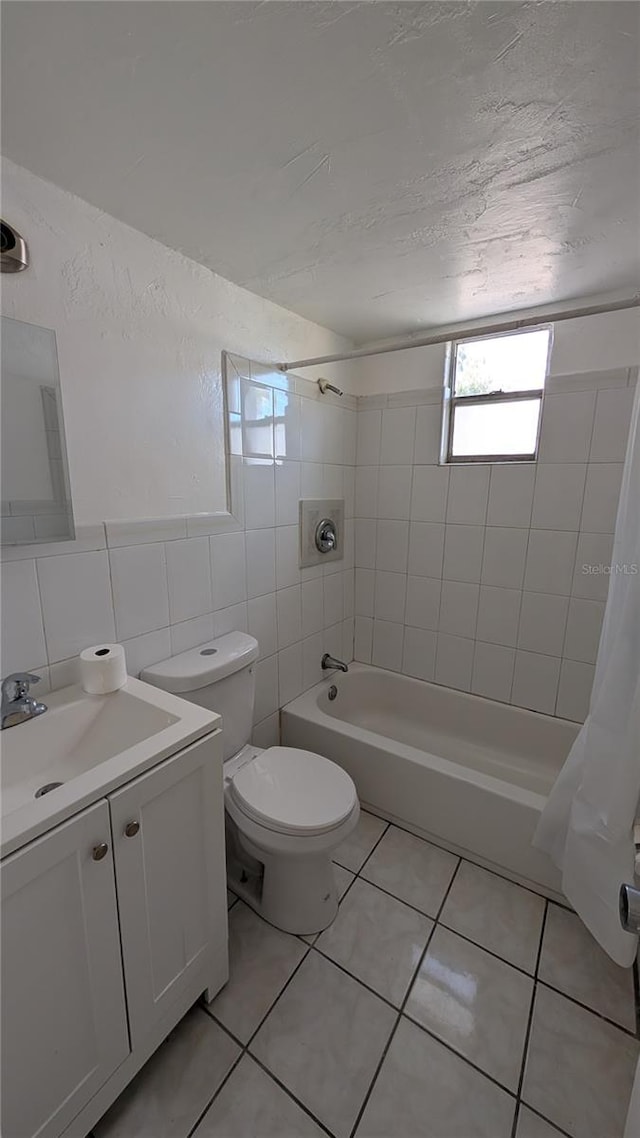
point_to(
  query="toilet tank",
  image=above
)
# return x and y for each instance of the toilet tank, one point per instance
(220, 676)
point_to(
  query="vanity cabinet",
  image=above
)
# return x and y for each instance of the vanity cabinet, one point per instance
(113, 924)
(64, 1020)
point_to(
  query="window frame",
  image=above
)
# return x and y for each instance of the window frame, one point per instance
(452, 401)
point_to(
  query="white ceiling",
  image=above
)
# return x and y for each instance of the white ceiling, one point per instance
(376, 167)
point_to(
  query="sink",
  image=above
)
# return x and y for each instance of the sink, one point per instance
(84, 746)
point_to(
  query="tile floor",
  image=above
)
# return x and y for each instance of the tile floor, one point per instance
(443, 1002)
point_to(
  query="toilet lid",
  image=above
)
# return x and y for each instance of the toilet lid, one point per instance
(294, 792)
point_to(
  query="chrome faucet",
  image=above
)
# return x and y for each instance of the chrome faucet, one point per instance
(331, 662)
(17, 705)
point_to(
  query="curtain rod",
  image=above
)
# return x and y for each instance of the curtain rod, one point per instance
(460, 333)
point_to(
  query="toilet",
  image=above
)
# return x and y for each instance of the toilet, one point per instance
(286, 810)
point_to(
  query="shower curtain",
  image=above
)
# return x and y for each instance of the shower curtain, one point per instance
(587, 824)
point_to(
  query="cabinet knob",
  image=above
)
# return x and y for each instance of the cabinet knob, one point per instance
(100, 851)
(131, 829)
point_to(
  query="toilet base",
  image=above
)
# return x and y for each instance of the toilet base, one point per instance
(297, 893)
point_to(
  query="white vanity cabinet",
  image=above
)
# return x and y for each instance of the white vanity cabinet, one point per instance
(113, 924)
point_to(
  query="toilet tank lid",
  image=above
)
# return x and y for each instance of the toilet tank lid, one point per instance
(203, 665)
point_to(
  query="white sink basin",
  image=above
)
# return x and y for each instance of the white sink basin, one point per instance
(89, 744)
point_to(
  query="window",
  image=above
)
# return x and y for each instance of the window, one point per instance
(494, 389)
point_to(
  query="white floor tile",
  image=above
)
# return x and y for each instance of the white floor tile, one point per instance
(573, 961)
(378, 940)
(579, 1069)
(530, 1125)
(167, 1097)
(424, 1090)
(355, 850)
(324, 1040)
(252, 1104)
(412, 869)
(496, 914)
(474, 1002)
(261, 960)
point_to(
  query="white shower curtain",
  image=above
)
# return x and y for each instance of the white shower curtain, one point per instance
(587, 824)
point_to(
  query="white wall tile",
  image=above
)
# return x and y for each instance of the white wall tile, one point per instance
(423, 602)
(584, 625)
(368, 437)
(463, 546)
(601, 494)
(390, 595)
(550, 559)
(511, 494)
(287, 556)
(23, 644)
(287, 414)
(267, 733)
(289, 615)
(332, 480)
(367, 491)
(259, 493)
(332, 641)
(266, 702)
(257, 419)
(231, 619)
(143, 651)
(498, 615)
(429, 493)
(140, 592)
(349, 593)
(419, 653)
(191, 633)
(504, 556)
(468, 494)
(333, 599)
(557, 500)
(363, 639)
(365, 588)
(314, 431)
(365, 542)
(543, 617)
(392, 547)
(426, 548)
(394, 491)
(574, 690)
(287, 491)
(228, 569)
(428, 430)
(261, 623)
(398, 433)
(75, 590)
(189, 578)
(567, 421)
(312, 651)
(493, 666)
(459, 608)
(290, 673)
(387, 645)
(592, 566)
(611, 425)
(349, 490)
(454, 661)
(535, 681)
(312, 600)
(260, 545)
(311, 480)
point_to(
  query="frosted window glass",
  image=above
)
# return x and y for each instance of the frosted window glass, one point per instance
(505, 363)
(495, 428)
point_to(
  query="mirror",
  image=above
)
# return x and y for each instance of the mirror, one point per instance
(36, 500)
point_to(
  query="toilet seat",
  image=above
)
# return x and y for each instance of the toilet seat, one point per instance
(293, 791)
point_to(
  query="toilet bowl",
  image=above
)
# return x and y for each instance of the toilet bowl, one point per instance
(286, 810)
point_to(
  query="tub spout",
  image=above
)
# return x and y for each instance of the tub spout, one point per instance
(331, 662)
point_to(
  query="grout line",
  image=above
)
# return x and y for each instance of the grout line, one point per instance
(459, 1055)
(215, 1095)
(586, 1008)
(290, 1093)
(527, 1037)
(544, 1118)
(402, 1006)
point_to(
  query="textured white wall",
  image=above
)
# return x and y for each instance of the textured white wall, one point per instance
(595, 343)
(140, 329)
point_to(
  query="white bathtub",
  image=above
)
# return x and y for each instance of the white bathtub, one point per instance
(469, 773)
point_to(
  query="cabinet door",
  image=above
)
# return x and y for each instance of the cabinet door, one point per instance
(168, 834)
(64, 1025)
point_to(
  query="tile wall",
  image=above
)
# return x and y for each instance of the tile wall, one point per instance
(160, 591)
(473, 576)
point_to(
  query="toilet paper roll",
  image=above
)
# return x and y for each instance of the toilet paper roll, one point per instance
(103, 668)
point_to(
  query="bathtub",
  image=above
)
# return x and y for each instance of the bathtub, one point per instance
(466, 772)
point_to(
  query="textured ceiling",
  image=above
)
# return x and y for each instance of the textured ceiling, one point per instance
(375, 167)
